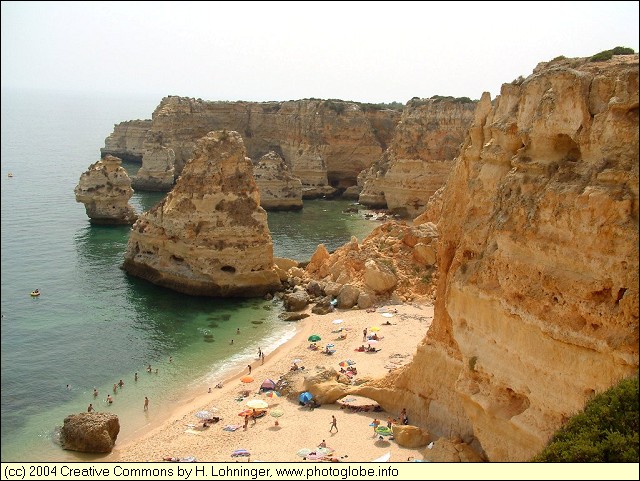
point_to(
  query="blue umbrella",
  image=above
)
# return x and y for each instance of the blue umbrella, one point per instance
(305, 397)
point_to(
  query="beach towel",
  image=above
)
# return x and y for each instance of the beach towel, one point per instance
(192, 431)
(231, 427)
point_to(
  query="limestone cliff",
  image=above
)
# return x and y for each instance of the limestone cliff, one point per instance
(537, 300)
(325, 143)
(420, 157)
(209, 236)
(279, 190)
(105, 190)
(127, 140)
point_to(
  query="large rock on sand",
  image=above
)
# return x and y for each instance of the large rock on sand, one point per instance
(90, 432)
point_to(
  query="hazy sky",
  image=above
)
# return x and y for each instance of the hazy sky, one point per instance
(363, 51)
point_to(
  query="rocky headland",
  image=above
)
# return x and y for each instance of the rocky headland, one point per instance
(421, 154)
(209, 236)
(105, 189)
(326, 143)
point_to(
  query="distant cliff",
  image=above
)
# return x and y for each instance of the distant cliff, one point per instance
(537, 299)
(325, 143)
(420, 156)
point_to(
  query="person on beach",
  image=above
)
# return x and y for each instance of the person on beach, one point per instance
(95, 392)
(149, 368)
(262, 356)
(334, 423)
(364, 334)
(146, 404)
(170, 359)
(238, 331)
(376, 423)
(135, 376)
(109, 399)
(254, 416)
(90, 408)
(115, 388)
(249, 367)
(246, 421)
(259, 353)
(121, 383)
(231, 342)
(323, 444)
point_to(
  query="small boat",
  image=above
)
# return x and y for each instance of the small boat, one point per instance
(35, 293)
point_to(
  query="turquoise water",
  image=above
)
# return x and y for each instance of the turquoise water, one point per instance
(94, 325)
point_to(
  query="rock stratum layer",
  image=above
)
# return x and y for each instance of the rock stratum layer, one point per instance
(325, 143)
(105, 190)
(127, 140)
(417, 163)
(279, 190)
(537, 300)
(209, 236)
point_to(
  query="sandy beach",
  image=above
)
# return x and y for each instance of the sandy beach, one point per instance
(299, 427)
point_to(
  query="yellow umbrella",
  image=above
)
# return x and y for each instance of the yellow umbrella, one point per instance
(374, 328)
(257, 404)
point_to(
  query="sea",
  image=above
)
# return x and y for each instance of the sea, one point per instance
(93, 325)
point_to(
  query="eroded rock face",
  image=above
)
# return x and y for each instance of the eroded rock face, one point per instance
(325, 143)
(279, 190)
(537, 301)
(209, 236)
(127, 140)
(426, 141)
(90, 432)
(105, 190)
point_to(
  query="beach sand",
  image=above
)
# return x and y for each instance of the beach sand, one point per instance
(183, 435)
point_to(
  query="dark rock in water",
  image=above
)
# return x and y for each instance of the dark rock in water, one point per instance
(257, 322)
(90, 432)
(292, 316)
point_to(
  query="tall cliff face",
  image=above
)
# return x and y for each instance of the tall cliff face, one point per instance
(105, 190)
(279, 190)
(127, 140)
(325, 143)
(209, 236)
(420, 157)
(537, 301)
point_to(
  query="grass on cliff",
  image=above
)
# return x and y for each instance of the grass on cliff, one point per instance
(607, 54)
(606, 431)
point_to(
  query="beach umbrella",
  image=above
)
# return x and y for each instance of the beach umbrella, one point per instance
(314, 338)
(276, 413)
(257, 404)
(273, 394)
(267, 385)
(304, 452)
(305, 397)
(204, 414)
(246, 379)
(338, 321)
(374, 328)
(346, 363)
(240, 452)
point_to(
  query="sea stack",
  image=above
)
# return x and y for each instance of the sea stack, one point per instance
(105, 190)
(279, 190)
(209, 236)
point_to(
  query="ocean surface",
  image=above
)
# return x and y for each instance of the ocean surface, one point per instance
(94, 325)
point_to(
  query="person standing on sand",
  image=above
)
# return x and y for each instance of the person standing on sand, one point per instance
(146, 404)
(262, 356)
(90, 408)
(135, 376)
(364, 334)
(246, 421)
(334, 423)
(249, 367)
(376, 423)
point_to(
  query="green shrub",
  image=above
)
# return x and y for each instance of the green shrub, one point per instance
(606, 431)
(608, 54)
(559, 57)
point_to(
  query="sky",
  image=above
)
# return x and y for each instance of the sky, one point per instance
(262, 51)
